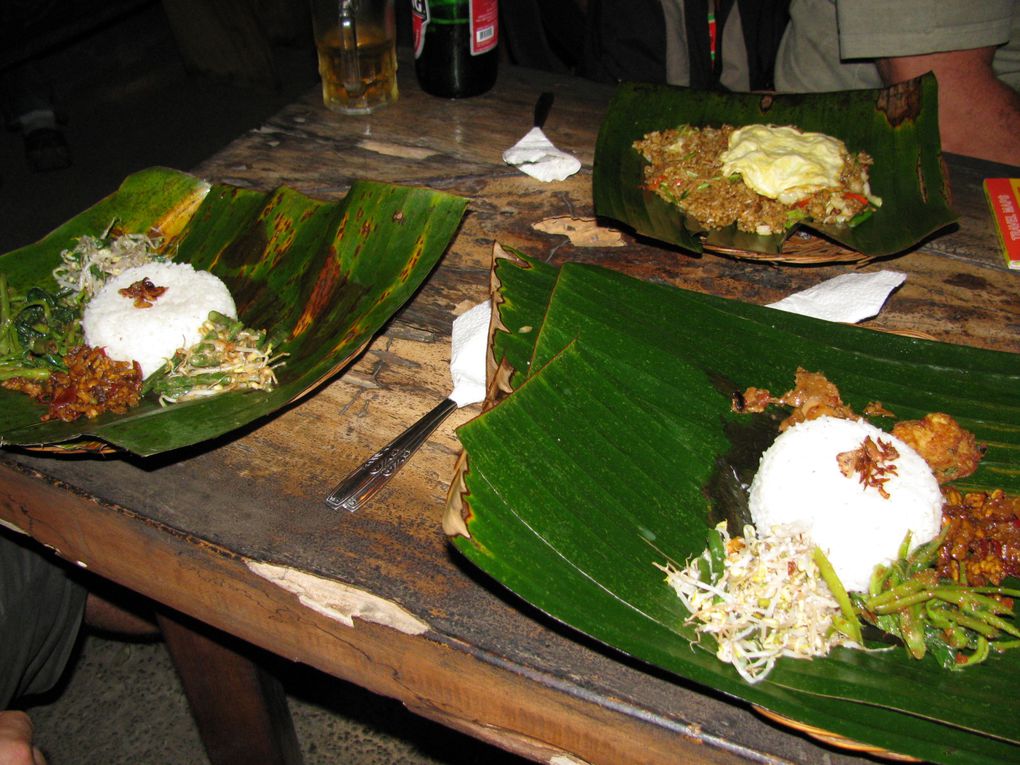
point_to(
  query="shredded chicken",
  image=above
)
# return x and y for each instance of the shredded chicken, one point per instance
(87, 266)
(812, 396)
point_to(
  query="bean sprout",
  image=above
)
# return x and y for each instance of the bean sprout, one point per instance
(769, 600)
(87, 266)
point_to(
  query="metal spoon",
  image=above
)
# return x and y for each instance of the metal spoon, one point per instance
(470, 333)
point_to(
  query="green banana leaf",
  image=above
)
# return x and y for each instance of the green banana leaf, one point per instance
(320, 277)
(897, 126)
(617, 449)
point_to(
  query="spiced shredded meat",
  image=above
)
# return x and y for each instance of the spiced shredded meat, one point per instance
(982, 545)
(93, 383)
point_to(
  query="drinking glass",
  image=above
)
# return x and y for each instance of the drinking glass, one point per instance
(356, 44)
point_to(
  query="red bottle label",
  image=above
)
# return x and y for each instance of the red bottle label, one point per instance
(484, 25)
(419, 20)
(483, 18)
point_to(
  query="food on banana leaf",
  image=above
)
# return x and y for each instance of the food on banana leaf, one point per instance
(951, 451)
(760, 598)
(147, 312)
(982, 545)
(853, 524)
(855, 490)
(85, 267)
(228, 356)
(126, 316)
(762, 178)
(90, 384)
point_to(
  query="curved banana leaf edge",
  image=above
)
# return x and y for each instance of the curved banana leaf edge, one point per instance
(321, 277)
(897, 126)
(616, 449)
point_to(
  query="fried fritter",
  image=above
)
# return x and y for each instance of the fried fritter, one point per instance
(952, 451)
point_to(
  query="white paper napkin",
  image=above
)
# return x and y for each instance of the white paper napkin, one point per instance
(535, 155)
(467, 358)
(847, 298)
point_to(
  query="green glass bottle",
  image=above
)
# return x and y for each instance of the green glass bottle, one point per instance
(455, 46)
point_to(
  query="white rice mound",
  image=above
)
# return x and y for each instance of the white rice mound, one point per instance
(799, 483)
(151, 335)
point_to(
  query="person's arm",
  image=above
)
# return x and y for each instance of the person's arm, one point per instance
(16, 740)
(979, 115)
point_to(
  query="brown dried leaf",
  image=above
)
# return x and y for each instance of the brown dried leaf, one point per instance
(582, 232)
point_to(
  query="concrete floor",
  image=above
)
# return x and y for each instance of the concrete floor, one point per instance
(130, 104)
(122, 704)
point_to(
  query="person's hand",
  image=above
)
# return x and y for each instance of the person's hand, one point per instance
(16, 740)
(979, 115)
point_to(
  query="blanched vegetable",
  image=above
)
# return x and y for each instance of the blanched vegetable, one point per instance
(765, 600)
(37, 329)
(230, 357)
(958, 624)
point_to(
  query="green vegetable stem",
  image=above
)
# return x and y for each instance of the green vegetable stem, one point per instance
(960, 625)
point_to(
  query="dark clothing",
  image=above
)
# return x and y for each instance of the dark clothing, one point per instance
(670, 41)
(41, 611)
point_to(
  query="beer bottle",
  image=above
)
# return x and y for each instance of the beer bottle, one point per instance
(455, 46)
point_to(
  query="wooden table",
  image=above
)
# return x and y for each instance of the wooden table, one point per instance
(235, 534)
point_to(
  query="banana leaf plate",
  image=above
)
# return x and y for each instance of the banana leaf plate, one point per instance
(320, 277)
(897, 126)
(610, 445)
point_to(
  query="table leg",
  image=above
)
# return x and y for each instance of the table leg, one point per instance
(239, 707)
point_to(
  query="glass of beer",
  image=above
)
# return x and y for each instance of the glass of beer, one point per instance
(356, 42)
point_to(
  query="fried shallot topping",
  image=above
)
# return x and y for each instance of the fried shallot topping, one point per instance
(144, 292)
(872, 461)
(94, 383)
(876, 409)
(951, 451)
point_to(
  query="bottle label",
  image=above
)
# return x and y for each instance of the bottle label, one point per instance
(484, 25)
(483, 20)
(419, 22)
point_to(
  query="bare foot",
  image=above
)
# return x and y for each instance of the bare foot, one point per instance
(16, 740)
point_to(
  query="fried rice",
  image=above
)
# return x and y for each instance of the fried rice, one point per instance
(685, 167)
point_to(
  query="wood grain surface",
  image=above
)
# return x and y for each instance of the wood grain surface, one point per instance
(235, 532)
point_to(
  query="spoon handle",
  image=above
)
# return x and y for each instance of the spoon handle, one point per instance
(361, 485)
(542, 107)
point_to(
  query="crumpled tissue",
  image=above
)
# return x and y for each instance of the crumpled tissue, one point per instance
(467, 357)
(535, 155)
(847, 298)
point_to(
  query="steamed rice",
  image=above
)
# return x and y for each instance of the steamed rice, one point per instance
(799, 483)
(151, 335)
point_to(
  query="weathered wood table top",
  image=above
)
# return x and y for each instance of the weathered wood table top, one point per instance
(235, 533)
